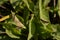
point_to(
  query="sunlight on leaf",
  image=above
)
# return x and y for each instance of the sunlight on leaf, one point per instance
(9, 33)
(44, 15)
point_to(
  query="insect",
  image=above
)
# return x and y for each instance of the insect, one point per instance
(15, 19)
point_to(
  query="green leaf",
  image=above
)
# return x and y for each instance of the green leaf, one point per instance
(20, 18)
(51, 28)
(10, 34)
(26, 16)
(46, 3)
(2, 1)
(16, 31)
(11, 30)
(56, 31)
(31, 4)
(10, 25)
(14, 3)
(31, 28)
(44, 15)
(27, 4)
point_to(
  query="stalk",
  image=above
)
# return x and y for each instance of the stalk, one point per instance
(59, 7)
(40, 6)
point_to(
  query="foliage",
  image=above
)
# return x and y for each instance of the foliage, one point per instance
(29, 19)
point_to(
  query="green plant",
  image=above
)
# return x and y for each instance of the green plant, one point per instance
(30, 19)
